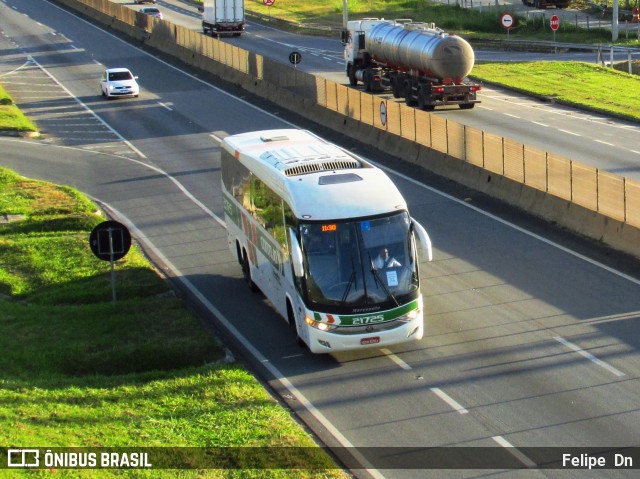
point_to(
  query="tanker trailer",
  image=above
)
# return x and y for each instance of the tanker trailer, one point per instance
(416, 61)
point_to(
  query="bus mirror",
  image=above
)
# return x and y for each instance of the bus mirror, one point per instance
(423, 238)
(296, 254)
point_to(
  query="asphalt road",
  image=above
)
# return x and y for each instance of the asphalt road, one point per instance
(531, 335)
(591, 138)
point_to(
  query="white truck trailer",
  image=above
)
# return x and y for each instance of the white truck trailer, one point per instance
(223, 17)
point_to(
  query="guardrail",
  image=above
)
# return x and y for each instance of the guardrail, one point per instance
(553, 186)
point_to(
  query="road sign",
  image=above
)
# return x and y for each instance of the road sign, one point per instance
(554, 22)
(268, 3)
(383, 113)
(295, 57)
(110, 241)
(507, 20)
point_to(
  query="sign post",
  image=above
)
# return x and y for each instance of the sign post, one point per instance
(554, 23)
(295, 58)
(268, 3)
(110, 241)
(507, 22)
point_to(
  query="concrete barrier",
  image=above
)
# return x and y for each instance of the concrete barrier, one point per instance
(593, 224)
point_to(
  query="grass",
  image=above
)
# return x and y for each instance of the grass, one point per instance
(575, 83)
(11, 118)
(472, 23)
(80, 371)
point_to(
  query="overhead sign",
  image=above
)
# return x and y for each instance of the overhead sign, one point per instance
(507, 20)
(554, 22)
(295, 57)
(110, 241)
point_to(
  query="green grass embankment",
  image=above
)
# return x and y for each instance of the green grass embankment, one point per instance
(81, 371)
(11, 118)
(579, 84)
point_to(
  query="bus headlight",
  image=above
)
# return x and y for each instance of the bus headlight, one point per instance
(411, 315)
(319, 325)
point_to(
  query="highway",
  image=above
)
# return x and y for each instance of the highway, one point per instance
(590, 138)
(531, 334)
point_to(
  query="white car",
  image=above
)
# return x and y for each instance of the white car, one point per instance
(152, 12)
(119, 82)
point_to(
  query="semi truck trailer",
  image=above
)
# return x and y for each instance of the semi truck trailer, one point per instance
(223, 17)
(416, 61)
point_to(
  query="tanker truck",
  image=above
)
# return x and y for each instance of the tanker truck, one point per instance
(416, 61)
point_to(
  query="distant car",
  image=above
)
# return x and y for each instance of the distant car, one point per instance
(146, 1)
(152, 12)
(117, 82)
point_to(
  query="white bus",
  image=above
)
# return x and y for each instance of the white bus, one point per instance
(308, 222)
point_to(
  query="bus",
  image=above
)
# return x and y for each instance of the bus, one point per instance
(309, 223)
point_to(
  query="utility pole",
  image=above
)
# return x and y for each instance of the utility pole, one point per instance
(345, 14)
(614, 21)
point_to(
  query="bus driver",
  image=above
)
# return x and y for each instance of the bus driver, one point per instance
(384, 260)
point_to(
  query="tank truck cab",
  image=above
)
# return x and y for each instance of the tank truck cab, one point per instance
(356, 55)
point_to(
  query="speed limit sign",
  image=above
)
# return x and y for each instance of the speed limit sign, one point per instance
(268, 3)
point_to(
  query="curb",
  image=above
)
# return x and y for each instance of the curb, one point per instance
(20, 134)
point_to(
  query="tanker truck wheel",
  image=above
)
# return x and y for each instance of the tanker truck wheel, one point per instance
(353, 81)
(366, 80)
(408, 95)
(395, 88)
(467, 106)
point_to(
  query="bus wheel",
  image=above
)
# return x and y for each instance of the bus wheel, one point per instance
(291, 319)
(246, 272)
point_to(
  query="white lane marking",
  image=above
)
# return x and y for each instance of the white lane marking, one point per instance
(450, 401)
(83, 105)
(570, 133)
(514, 451)
(512, 116)
(541, 124)
(511, 225)
(589, 356)
(275, 372)
(583, 116)
(160, 171)
(604, 142)
(437, 391)
(396, 359)
(222, 92)
(165, 106)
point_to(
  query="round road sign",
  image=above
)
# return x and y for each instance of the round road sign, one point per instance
(383, 113)
(506, 20)
(554, 22)
(295, 57)
(110, 240)
(268, 3)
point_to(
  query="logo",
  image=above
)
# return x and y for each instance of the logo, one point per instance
(23, 458)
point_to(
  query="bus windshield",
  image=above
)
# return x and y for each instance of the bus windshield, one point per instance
(353, 266)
